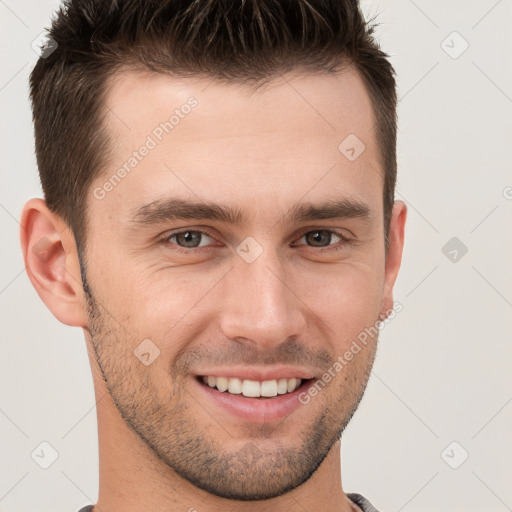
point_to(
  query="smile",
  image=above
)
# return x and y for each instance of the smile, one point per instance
(252, 388)
(258, 399)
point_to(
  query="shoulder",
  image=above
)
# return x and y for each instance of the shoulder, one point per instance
(360, 501)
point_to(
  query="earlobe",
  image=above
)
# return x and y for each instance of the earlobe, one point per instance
(394, 254)
(51, 262)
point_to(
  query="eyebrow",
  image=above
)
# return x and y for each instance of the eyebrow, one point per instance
(171, 209)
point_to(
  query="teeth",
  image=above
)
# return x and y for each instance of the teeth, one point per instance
(253, 388)
(222, 383)
(269, 388)
(282, 386)
(234, 386)
(292, 384)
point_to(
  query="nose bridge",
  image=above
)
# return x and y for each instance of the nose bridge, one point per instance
(259, 305)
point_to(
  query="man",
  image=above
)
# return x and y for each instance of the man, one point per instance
(219, 219)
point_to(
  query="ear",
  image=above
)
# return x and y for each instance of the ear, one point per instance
(394, 254)
(51, 262)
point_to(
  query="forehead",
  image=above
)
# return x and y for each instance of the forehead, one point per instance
(295, 135)
(326, 101)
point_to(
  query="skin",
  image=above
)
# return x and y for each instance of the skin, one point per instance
(163, 444)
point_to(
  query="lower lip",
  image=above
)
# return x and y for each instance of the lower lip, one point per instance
(256, 410)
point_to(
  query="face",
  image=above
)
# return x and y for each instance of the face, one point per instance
(239, 254)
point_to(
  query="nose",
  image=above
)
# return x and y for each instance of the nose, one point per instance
(260, 304)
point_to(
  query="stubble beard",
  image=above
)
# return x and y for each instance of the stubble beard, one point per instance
(251, 471)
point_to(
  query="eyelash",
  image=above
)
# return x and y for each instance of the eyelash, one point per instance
(341, 244)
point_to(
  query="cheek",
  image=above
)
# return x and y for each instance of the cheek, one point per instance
(347, 296)
(166, 305)
(176, 303)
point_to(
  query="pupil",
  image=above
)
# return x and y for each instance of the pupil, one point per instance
(188, 238)
(319, 235)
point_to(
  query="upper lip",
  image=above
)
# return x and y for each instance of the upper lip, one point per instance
(259, 374)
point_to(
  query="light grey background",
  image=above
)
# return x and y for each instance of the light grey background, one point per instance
(442, 372)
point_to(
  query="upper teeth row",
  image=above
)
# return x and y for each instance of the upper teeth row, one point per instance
(253, 388)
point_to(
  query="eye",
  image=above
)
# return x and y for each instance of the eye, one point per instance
(189, 239)
(323, 238)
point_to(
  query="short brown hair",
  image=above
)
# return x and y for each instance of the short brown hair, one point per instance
(236, 41)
